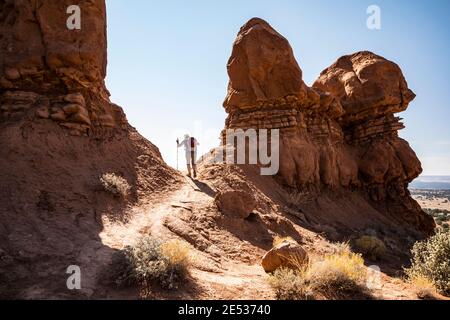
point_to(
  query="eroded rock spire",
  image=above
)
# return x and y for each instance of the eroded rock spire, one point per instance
(341, 134)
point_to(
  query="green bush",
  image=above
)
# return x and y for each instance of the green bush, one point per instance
(431, 260)
(152, 261)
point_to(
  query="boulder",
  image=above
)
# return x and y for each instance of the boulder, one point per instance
(235, 203)
(286, 254)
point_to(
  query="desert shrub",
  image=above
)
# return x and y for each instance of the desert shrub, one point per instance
(115, 184)
(371, 247)
(152, 261)
(290, 284)
(340, 275)
(446, 226)
(436, 212)
(431, 260)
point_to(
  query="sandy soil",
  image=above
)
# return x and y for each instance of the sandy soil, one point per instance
(433, 203)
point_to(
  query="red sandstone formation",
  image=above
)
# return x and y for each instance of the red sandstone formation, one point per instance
(59, 133)
(341, 134)
(263, 71)
(51, 72)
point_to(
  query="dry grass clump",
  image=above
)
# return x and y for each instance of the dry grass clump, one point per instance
(424, 288)
(341, 275)
(431, 261)
(279, 240)
(371, 247)
(177, 252)
(290, 284)
(151, 261)
(115, 184)
(338, 276)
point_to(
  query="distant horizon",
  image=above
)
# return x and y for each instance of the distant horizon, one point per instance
(431, 182)
(434, 175)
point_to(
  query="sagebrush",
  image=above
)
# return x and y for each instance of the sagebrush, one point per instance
(115, 184)
(431, 260)
(151, 261)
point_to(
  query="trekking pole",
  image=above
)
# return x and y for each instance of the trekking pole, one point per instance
(177, 155)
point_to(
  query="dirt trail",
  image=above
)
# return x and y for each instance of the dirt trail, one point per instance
(217, 276)
(146, 219)
(232, 280)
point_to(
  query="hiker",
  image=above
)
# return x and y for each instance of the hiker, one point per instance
(190, 147)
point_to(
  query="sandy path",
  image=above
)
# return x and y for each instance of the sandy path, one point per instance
(234, 280)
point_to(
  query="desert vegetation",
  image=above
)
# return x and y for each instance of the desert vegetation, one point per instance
(371, 247)
(115, 184)
(153, 262)
(340, 275)
(441, 216)
(431, 262)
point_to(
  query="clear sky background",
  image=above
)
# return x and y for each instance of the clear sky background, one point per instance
(167, 61)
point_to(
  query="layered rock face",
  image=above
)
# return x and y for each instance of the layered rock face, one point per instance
(50, 72)
(341, 133)
(59, 133)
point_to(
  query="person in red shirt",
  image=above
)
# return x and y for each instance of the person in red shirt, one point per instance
(190, 147)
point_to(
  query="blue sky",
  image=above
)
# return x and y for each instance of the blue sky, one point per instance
(167, 61)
